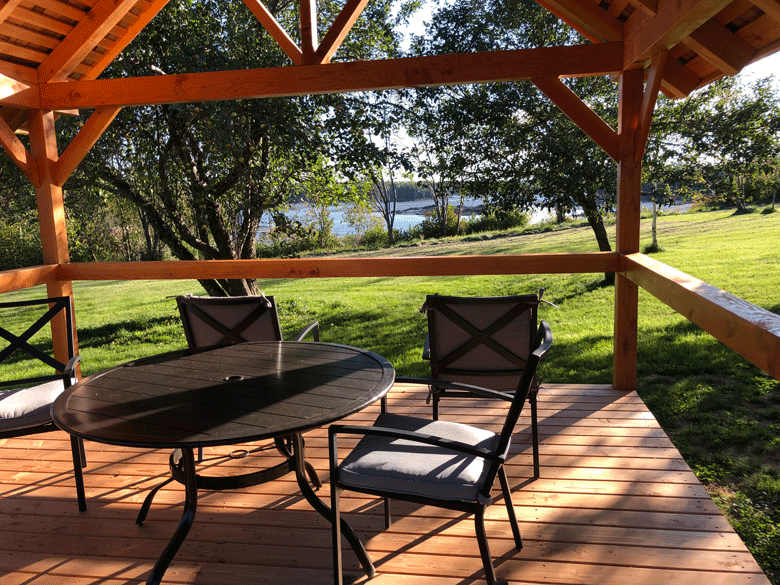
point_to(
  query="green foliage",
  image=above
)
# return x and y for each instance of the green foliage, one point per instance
(20, 243)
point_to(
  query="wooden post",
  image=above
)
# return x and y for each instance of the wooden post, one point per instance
(629, 190)
(51, 215)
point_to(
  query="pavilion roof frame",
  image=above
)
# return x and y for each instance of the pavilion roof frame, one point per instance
(52, 53)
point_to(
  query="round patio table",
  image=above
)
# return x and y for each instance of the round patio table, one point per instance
(226, 395)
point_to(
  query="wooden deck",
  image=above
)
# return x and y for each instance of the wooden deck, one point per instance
(616, 504)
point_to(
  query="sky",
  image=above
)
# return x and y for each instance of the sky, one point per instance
(765, 67)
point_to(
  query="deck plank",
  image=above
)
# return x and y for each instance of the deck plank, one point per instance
(616, 504)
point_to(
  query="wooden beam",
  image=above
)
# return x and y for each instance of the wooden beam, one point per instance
(308, 30)
(650, 7)
(136, 26)
(579, 113)
(22, 278)
(10, 86)
(751, 331)
(678, 81)
(94, 128)
(7, 8)
(720, 47)
(629, 191)
(18, 153)
(593, 59)
(587, 262)
(645, 35)
(339, 30)
(588, 18)
(26, 75)
(276, 31)
(82, 39)
(649, 97)
(770, 7)
(51, 215)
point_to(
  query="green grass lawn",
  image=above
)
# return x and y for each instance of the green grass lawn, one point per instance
(721, 412)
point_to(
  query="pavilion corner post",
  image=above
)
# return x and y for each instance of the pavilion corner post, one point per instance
(629, 190)
(51, 217)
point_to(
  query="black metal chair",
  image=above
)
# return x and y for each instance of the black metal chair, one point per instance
(483, 341)
(440, 463)
(226, 320)
(25, 409)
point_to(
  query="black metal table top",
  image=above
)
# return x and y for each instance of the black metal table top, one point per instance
(224, 395)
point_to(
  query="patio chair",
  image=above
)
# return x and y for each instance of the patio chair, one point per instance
(25, 403)
(227, 320)
(438, 463)
(484, 341)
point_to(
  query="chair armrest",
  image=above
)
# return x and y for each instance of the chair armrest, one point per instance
(413, 436)
(69, 370)
(312, 329)
(477, 390)
(427, 348)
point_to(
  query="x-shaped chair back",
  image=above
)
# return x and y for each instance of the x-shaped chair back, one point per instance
(484, 341)
(21, 342)
(211, 321)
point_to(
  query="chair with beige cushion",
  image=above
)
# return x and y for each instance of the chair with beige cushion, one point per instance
(438, 463)
(25, 402)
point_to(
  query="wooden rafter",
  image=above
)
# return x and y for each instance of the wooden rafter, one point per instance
(580, 113)
(7, 8)
(62, 61)
(579, 60)
(721, 47)
(770, 7)
(309, 40)
(588, 18)
(339, 30)
(649, 97)
(93, 129)
(645, 35)
(18, 153)
(133, 29)
(276, 31)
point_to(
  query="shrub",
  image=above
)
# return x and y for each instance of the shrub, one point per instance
(494, 220)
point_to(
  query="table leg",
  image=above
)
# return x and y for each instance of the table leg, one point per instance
(187, 516)
(321, 507)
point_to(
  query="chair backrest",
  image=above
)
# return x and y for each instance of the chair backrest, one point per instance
(545, 340)
(211, 321)
(49, 309)
(483, 341)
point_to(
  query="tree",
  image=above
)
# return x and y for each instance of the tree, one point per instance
(506, 142)
(203, 174)
(735, 133)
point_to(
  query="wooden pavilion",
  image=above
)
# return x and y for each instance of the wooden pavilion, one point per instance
(52, 53)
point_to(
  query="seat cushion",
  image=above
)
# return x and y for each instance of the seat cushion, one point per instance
(416, 469)
(28, 407)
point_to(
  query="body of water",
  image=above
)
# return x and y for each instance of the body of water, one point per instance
(411, 213)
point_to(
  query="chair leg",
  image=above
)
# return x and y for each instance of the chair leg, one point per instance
(510, 509)
(435, 406)
(77, 450)
(388, 516)
(535, 434)
(484, 549)
(335, 492)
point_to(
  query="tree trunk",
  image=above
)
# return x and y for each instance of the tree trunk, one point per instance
(654, 245)
(596, 222)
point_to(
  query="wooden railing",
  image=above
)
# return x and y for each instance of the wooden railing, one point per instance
(751, 331)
